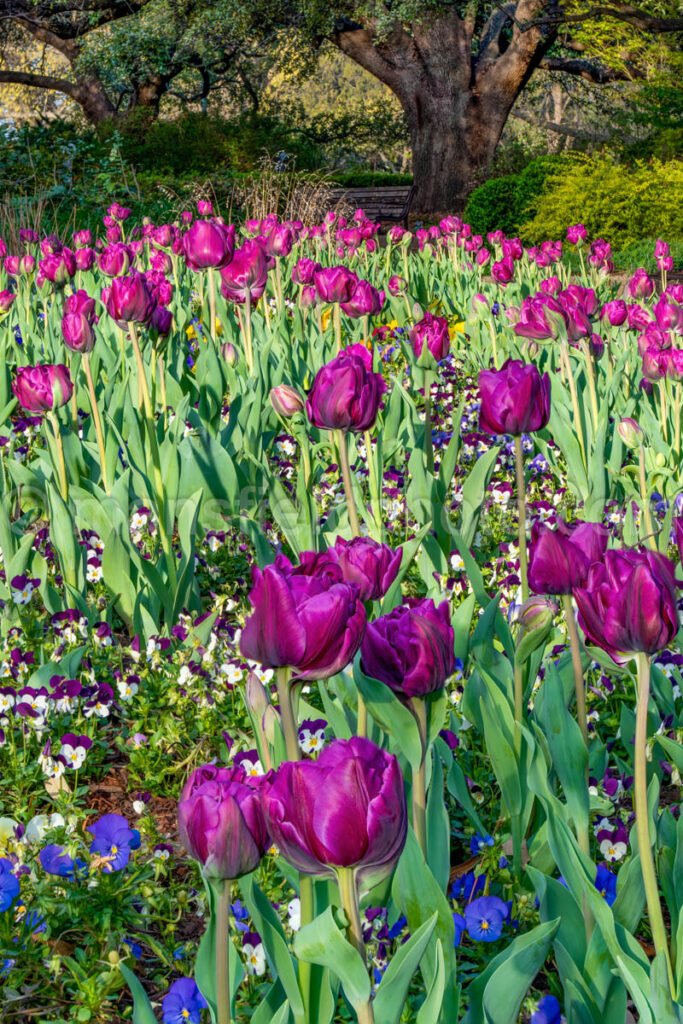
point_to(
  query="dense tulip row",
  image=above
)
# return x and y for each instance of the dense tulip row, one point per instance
(283, 384)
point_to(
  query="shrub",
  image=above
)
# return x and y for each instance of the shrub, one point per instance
(370, 179)
(624, 204)
(507, 202)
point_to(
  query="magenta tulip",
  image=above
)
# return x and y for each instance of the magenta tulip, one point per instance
(411, 649)
(360, 824)
(373, 567)
(629, 603)
(221, 821)
(346, 393)
(246, 274)
(559, 560)
(209, 244)
(312, 624)
(42, 388)
(514, 400)
(431, 331)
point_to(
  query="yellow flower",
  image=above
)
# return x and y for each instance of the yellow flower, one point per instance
(325, 319)
(191, 332)
(458, 328)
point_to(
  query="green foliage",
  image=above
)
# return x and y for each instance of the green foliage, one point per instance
(202, 144)
(624, 204)
(507, 202)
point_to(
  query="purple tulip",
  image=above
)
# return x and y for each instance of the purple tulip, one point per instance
(539, 318)
(130, 300)
(335, 284)
(559, 560)
(209, 243)
(114, 261)
(641, 285)
(313, 624)
(365, 301)
(246, 274)
(82, 303)
(221, 822)
(373, 567)
(615, 312)
(668, 314)
(58, 268)
(431, 331)
(42, 388)
(279, 241)
(360, 824)
(514, 400)
(304, 271)
(503, 271)
(576, 234)
(397, 285)
(6, 301)
(346, 393)
(411, 648)
(628, 604)
(77, 332)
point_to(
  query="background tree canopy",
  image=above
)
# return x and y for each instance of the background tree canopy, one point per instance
(453, 93)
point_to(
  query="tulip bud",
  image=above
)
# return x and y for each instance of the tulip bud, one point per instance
(229, 353)
(286, 401)
(270, 723)
(631, 433)
(535, 621)
(256, 696)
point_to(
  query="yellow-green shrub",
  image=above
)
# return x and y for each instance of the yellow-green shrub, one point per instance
(622, 203)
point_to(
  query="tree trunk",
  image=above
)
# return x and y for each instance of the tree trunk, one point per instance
(457, 92)
(453, 147)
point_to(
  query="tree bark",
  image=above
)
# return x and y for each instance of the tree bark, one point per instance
(453, 146)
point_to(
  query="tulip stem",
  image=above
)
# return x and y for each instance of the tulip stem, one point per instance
(346, 877)
(96, 420)
(521, 507)
(159, 496)
(248, 346)
(419, 790)
(663, 417)
(677, 417)
(61, 463)
(223, 952)
(577, 665)
(427, 439)
(647, 864)
(651, 539)
(289, 729)
(336, 315)
(348, 486)
(306, 914)
(564, 354)
(375, 485)
(212, 303)
(590, 376)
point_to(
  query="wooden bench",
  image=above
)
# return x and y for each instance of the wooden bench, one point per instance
(388, 204)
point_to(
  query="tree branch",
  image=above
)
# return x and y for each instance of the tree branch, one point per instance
(588, 70)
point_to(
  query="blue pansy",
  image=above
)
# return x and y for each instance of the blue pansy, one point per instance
(460, 925)
(467, 886)
(114, 840)
(485, 917)
(548, 1011)
(9, 884)
(606, 884)
(54, 860)
(397, 927)
(241, 915)
(478, 843)
(183, 1003)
